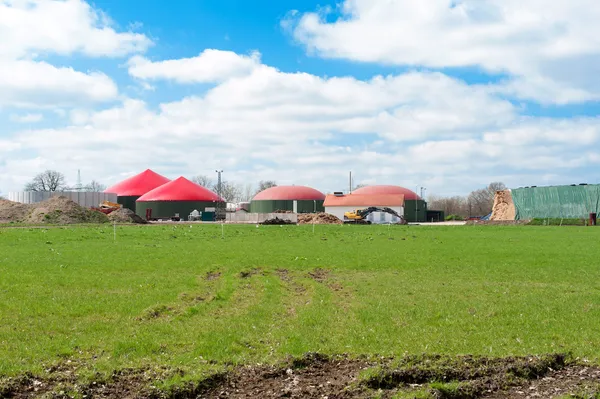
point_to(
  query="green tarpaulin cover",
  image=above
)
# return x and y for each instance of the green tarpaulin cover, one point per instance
(556, 201)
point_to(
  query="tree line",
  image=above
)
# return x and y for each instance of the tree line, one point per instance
(478, 203)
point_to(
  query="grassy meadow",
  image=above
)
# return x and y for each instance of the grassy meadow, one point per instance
(188, 297)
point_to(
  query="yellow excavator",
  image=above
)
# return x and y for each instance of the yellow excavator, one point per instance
(359, 216)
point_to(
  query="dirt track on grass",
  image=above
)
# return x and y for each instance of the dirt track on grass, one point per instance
(334, 377)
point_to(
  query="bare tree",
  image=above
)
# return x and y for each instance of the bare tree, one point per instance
(481, 201)
(247, 193)
(203, 180)
(456, 205)
(265, 184)
(95, 187)
(49, 180)
(230, 192)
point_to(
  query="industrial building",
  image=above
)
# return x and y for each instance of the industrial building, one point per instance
(129, 190)
(415, 208)
(179, 198)
(297, 199)
(339, 204)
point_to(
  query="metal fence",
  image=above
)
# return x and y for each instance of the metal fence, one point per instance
(243, 217)
(83, 198)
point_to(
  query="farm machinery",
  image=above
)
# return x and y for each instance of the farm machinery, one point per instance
(107, 207)
(359, 216)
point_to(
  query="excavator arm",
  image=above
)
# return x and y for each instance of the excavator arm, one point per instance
(360, 215)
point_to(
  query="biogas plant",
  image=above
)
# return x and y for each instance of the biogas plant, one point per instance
(156, 198)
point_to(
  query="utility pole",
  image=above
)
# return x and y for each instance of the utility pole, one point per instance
(350, 186)
(219, 189)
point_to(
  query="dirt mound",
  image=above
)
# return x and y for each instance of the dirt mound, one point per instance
(318, 218)
(125, 215)
(504, 207)
(12, 211)
(277, 221)
(56, 210)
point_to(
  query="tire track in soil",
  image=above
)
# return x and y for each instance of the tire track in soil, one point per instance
(334, 377)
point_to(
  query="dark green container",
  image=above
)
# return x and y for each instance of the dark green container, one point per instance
(208, 216)
(415, 211)
(168, 209)
(270, 206)
(128, 202)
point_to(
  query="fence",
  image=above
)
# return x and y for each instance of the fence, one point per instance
(83, 198)
(243, 217)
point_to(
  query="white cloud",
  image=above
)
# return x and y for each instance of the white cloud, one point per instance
(61, 27)
(37, 84)
(415, 128)
(27, 118)
(539, 42)
(208, 67)
(32, 29)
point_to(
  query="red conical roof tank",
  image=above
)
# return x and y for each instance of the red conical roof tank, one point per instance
(180, 189)
(138, 185)
(409, 195)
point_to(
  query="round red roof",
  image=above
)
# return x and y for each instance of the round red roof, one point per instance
(282, 193)
(409, 195)
(180, 189)
(138, 185)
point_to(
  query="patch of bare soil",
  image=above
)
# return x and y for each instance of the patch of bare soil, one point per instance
(210, 276)
(314, 376)
(580, 381)
(56, 210)
(125, 215)
(504, 207)
(319, 275)
(250, 273)
(320, 376)
(318, 218)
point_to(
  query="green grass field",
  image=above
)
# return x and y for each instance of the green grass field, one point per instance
(186, 297)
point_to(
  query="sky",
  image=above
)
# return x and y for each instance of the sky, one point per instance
(448, 95)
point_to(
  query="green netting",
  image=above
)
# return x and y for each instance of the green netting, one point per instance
(556, 202)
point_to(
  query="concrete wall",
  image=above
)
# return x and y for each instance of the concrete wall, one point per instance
(375, 217)
(83, 198)
(245, 217)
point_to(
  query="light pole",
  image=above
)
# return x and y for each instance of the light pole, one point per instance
(219, 192)
(423, 200)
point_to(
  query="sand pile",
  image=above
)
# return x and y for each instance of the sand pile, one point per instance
(504, 207)
(125, 215)
(318, 218)
(56, 210)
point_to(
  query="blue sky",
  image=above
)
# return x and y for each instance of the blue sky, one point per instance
(446, 96)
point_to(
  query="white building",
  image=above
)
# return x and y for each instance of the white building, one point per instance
(338, 205)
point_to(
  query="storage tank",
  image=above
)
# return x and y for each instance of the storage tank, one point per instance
(129, 190)
(298, 199)
(178, 197)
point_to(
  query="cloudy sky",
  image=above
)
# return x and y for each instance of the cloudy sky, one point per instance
(447, 95)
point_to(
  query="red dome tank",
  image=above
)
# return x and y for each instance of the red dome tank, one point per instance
(409, 195)
(138, 185)
(287, 193)
(180, 189)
